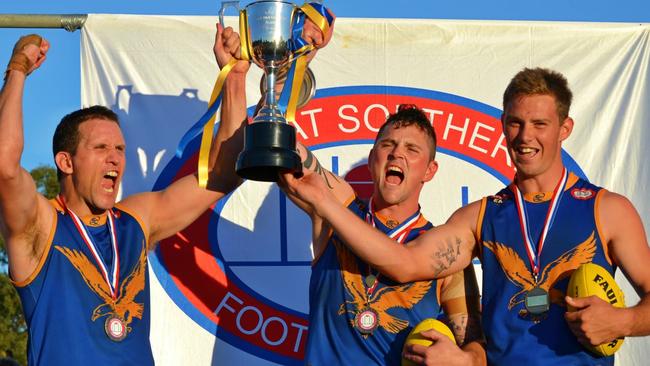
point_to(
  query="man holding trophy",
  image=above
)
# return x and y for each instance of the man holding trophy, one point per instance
(357, 316)
(278, 37)
(79, 262)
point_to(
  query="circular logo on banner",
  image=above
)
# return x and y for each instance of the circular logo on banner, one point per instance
(241, 271)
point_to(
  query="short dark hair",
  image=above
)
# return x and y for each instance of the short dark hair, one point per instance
(540, 81)
(407, 115)
(66, 135)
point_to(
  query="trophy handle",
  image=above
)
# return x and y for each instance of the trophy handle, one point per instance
(224, 6)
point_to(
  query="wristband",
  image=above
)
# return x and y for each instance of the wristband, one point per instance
(19, 60)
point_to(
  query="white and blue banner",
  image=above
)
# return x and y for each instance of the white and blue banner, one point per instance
(232, 289)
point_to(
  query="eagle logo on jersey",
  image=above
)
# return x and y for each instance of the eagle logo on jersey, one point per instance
(385, 298)
(124, 306)
(518, 273)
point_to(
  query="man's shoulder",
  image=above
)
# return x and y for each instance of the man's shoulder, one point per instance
(617, 202)
(502, 196)
(137, 204)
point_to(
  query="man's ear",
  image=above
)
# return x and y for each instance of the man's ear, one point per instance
(63, 161)
(370, 155)
(566, 128)
(432, 168)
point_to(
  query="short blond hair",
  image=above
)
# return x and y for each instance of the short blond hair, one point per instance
(542, 82)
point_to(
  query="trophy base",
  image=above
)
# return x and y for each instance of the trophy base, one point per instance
(269, 148)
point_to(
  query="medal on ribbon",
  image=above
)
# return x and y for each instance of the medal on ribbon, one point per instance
(537, 301)
(115, 328)
(366, 319)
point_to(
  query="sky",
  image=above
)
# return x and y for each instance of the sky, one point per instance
(53, 90)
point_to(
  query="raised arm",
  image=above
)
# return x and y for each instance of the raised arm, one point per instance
(337, 185)
(439, 252)
(597, 321)
(25, 216)
(339, 188)
(168, 211)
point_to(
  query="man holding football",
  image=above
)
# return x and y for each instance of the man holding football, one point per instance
(530, 237)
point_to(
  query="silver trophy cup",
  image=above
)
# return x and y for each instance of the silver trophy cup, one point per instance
(270, 142)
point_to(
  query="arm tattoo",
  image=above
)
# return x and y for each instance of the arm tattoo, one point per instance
(466, 329)
(458, 327)
(312, 163)
(445, 257)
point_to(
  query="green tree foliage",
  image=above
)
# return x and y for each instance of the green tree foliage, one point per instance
(46, 180)
(13, 330)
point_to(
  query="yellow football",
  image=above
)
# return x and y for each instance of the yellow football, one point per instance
(591, 279)
(415, 336)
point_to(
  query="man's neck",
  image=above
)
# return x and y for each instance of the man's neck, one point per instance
(540, 183)
(397, 213)
(95, 220)
(78, 205)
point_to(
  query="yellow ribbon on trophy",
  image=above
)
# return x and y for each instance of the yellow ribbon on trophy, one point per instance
(244, 37)
(208, 127)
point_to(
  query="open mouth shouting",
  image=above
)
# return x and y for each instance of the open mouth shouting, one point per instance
(394, 175)
(109, 181)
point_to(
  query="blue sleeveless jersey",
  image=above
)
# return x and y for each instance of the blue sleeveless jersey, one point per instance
(573, 239)
(66, 303)
(337, 293)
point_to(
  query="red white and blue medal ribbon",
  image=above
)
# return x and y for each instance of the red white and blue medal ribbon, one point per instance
(399, 234)
(533, 257)
(367, 319)
(113, 279)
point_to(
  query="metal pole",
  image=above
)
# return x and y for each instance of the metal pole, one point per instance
(69, 22)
